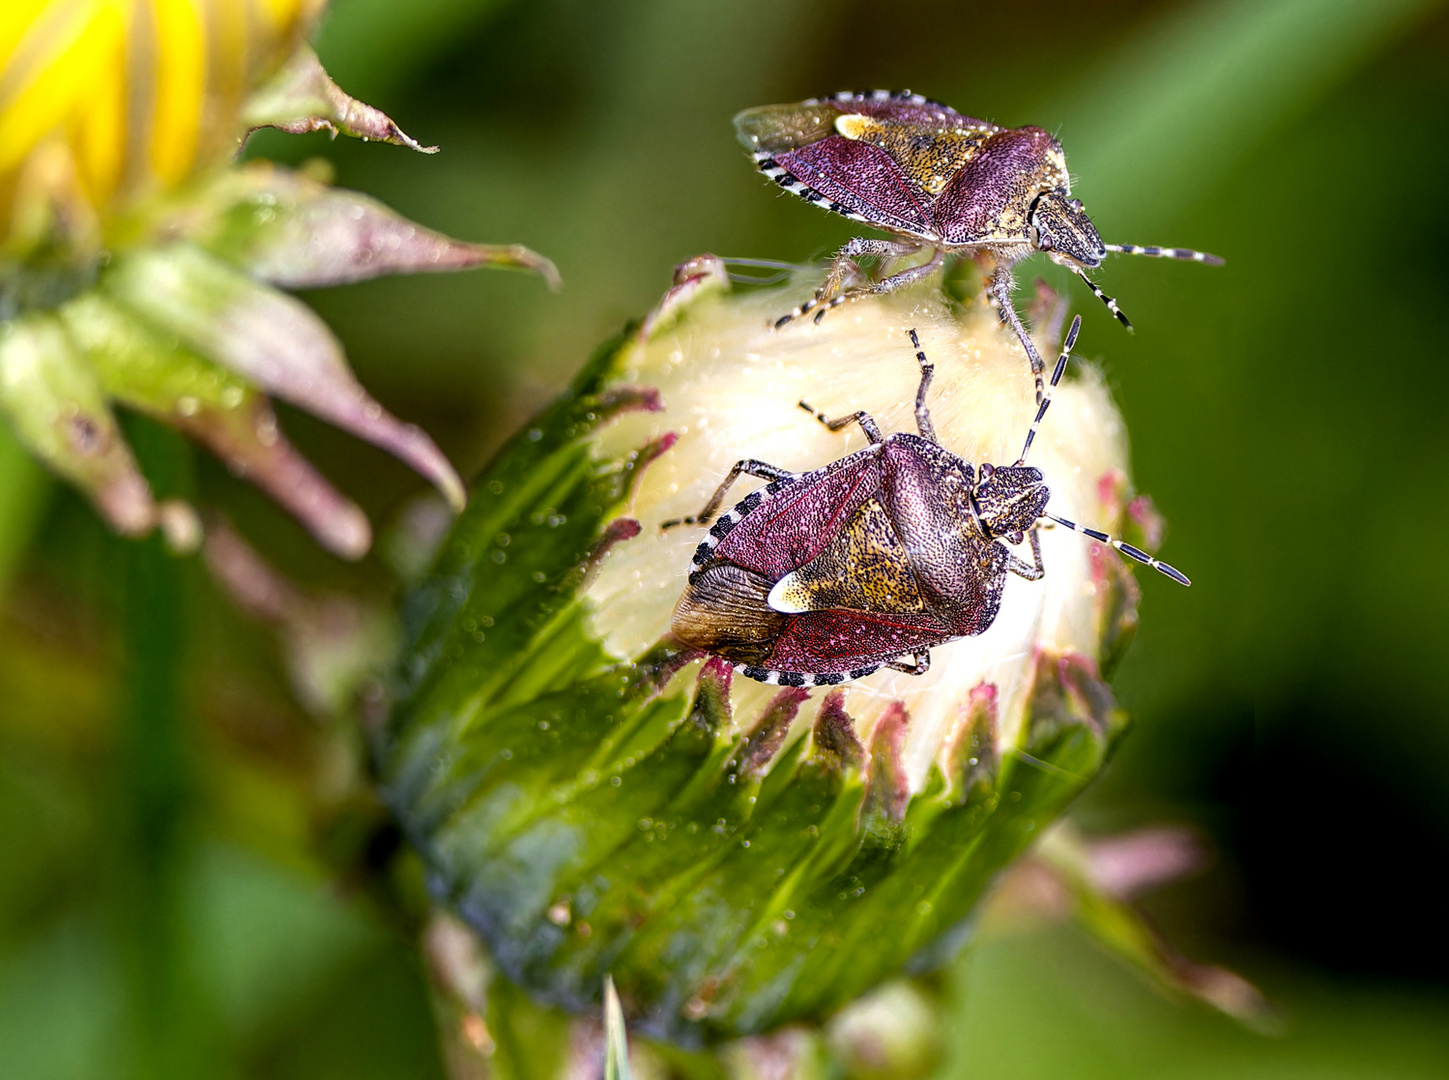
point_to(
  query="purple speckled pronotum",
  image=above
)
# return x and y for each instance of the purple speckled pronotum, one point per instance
(828, 575)
(947, 184)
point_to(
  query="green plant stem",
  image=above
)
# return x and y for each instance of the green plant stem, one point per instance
(155, 781)
(22, 492)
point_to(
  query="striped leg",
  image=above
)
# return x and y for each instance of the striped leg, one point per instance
(843, 268)
(1046, 399)
(1001, 284)
(1126, 549)
(750, 467)
(830, 295)
(864, 419)
(920, 667)
(923, 414)
(1032, 571)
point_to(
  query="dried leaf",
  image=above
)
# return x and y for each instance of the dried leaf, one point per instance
(287, 229)
(59, 411)
(272, 340)
(302, 97)
(153, 373)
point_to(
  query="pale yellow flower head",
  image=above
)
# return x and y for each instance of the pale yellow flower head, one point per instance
(730, 385)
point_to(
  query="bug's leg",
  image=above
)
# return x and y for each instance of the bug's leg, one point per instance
(923, 414)
(1021, 567)
(1126, 549)
(843, 266)
(890, 284)
(920, 667)
(1001, 289)
(1046, 399)
(864, 419)
(868, 425)
(748, 466)
(1166, 253)
(1100, 295)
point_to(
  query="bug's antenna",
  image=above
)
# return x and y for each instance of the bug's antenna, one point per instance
(1126, 549)
(1156, 252)
(1111, 304)
(782, 270)
(1046, 398)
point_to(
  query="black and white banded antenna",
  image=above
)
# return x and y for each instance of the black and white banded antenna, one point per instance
(1100, 295)
(1125, 548)
(1046, 398)
(1151, 251)
(1155, 252)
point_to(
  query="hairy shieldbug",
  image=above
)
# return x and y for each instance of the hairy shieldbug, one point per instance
(828, 575)
(948, 184)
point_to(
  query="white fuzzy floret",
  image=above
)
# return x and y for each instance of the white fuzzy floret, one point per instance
(731, 383)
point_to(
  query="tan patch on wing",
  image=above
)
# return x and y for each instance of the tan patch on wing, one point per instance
(929, 158)
(864, 569)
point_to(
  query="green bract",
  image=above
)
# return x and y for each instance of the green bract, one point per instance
(593, 801)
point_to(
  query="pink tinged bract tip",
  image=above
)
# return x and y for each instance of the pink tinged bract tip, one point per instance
(275, 341)
(58, 410)
(319, 236)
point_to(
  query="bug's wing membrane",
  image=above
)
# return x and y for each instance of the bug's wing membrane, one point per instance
(842, 641)
(795, 523)
(865, 568)
(776, 128)
(858, 180)
(723, 611)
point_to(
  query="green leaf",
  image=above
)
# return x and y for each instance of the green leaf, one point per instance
(616, 1041)
(1164, 118)
(22, 493)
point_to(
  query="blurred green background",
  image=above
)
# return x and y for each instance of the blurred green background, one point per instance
(166, 907)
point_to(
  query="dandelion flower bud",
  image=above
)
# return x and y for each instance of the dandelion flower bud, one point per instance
(593, 799)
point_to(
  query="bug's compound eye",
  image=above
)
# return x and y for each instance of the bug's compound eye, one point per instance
(987, 470)
(1062, 228)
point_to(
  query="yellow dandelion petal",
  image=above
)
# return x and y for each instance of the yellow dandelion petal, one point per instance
(52, 70)
(181, 72)
(98, 128)
(135, 94)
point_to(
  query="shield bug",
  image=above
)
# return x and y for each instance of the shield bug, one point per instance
(942, 182)
(824, 576)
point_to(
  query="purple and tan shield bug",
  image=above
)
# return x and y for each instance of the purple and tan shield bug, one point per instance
(824, 576)
(946, 183)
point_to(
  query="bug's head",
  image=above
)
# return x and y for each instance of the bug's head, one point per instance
(1009, 499)
(1061, 228)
